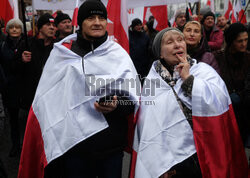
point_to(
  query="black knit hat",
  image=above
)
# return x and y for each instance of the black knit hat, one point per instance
(232, 32)
(206, 15)
(91, 7)
(45, 18)
(60, 17)
(135, 22)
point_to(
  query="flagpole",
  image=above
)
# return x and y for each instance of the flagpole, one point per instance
(74, 27)
(244, 10)
(24, 24)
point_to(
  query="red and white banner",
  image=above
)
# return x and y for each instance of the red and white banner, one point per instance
(239, 12)
(164, 140)
(210, 3)
(8, 10)
(117, 14)
(160, 14)
(63, 113)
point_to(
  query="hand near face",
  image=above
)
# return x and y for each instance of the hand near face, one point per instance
(183, 67)
(106, 107)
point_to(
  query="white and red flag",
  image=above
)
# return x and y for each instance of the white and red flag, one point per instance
(117, 15)
(160, 14)
(229, 9)
(239, 12)
(164, 138)
(8, 10)
(210, 3)
(63, 113)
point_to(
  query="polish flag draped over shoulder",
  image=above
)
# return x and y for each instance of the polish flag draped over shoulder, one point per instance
(164, 138)
(8, 10)
(160, 14)
(118, 24)
(62, 113)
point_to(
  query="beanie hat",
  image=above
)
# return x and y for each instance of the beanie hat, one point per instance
(156, 47)
(91, 7)
(135, 22)
(45, 18)
(232, 32)
(14, 22)
(179, 12)
(206, 15)
(204, 10)
(60, 17)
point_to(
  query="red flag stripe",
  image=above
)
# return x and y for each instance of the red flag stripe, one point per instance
(33, 159)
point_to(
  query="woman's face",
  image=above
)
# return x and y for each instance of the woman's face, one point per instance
(240, 43)
(173, 44)
(15, 30)
(192, 34)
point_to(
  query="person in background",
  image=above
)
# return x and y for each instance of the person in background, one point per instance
(234, 63)
(33, 58)
(2, 35)
(202, 12)
(139, 47)
(151, 32)
(10, 93)
(63, 25)
(213, 34)
(180, 18)
(197, 46)
(222, 22)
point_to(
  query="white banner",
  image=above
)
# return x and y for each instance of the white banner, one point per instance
(70, 4)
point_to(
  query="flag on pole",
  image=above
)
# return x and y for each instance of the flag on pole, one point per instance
(210, 3)
(239, 12)
(160, 14)
(229, 9)
(117, 15)
(74, 18)
(8, 10)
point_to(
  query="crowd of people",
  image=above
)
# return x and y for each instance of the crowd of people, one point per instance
(203, 66)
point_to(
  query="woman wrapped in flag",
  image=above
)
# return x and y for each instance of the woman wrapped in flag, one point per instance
(191, 130)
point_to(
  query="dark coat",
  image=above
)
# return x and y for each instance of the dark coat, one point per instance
(31, 71)
(139, 51)
(9, 75)
(203, 54)
(234, 69)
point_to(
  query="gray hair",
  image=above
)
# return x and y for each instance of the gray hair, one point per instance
(14, 22)
(158, 39)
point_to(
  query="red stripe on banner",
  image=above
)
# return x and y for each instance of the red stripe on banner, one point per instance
(33, 159)
(219, 147)
(6, 11)
(114, 14)
(74, 19)
(133, 164)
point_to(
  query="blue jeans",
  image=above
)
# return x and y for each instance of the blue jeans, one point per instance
(78, 167)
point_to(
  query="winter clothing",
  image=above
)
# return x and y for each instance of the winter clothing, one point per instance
(138, 46)
(215, 39)
(207, 15)
(45, 18)
(202, 53)
(91, 7)
(60, 17)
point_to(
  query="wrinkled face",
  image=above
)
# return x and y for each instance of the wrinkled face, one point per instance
(209, 22)
(15, 30)
(93, 27)
(180, 20)
(192, 34)
(173, 43)
(240, 43)
(221, 21)
(47, 30)
(65, 26)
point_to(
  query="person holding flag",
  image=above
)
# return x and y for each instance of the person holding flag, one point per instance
(69, 118)
(191, 131)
